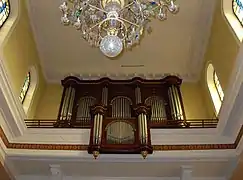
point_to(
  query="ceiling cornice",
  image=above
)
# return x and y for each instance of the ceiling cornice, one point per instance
(119, 76)
(199, 46)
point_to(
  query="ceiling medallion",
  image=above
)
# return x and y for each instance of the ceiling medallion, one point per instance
(113, 25)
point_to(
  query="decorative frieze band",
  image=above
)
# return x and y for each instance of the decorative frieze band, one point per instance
(84, 147)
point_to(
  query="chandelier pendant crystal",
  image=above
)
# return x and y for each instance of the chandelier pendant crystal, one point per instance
(113, 25)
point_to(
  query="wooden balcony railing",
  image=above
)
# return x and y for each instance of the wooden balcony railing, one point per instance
(190, 123)
(52, 123)
(161, 124)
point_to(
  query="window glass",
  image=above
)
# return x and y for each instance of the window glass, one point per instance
(238, 10)
(25, 87)
(4, 11)
(218, 86)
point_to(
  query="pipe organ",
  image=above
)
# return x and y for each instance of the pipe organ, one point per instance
(120, 113)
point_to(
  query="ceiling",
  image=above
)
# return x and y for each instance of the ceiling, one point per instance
(175, 46)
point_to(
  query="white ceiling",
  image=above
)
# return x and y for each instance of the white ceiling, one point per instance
(175, 46)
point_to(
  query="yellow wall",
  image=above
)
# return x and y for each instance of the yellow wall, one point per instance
(191, 92)
(193, 100)
(49, 103)
(20, 54)
(221, 52)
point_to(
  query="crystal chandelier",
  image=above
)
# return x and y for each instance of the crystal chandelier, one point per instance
(113, 25)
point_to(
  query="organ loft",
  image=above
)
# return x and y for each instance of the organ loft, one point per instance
(120, 113)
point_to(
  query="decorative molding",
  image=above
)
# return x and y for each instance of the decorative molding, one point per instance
(198, 48)
(31, 177)
(118, 76)
(84, 147)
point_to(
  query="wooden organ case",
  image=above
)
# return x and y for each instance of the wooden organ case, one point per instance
(120, 113)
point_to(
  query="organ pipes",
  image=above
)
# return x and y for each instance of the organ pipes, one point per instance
(143, 131)
(157, 107)
(98, 120)
(121, 107)
(98, 112)
(95, 130)
(138, 95)
(175, 103)
(67, 105)
(84, 108)
(100, 126)
(142, 111)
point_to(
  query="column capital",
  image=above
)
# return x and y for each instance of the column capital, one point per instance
(142, 108)
(98, 109)
(173, 80)
(70, 81)
(186, 172)
(56, 173)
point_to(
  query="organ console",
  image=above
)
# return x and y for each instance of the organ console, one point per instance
(120, 113)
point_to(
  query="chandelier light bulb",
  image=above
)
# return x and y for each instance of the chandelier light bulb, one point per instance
(111, 46)
(114, 24)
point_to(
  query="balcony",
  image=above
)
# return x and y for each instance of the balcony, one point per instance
(170, 104)
(124, 116)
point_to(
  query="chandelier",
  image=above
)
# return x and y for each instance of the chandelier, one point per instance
(113, 25)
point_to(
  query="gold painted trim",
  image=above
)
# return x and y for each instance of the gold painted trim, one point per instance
(84, 147)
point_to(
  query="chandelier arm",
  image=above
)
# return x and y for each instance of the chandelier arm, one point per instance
(140, 9)
(132, 11)
(98, 8)
(136, 14)
(97, 24)
(163, 5)
(126, 7)
(122, 19)
(159, 6)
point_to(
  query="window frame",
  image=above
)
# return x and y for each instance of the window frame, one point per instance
(218, 86)
(233, 5)
(28, 87)
(7, 14)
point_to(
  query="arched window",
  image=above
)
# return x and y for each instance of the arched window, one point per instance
(215, 88)
(4, 11)
(233, 12)
(238, 10)
(28, 89)
(25, 88)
